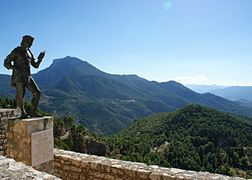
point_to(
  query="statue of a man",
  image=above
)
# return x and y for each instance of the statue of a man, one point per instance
(19, 60)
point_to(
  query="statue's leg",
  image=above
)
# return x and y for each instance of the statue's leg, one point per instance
(32, 86)
(20, 92)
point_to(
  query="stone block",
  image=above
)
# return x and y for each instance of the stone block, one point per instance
(155, 176)
(76, 161)
(28, 140)
(75, 169)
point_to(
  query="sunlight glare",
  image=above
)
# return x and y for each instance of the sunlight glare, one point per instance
(168, 5)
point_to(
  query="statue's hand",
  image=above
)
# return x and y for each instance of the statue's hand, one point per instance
(41, 55)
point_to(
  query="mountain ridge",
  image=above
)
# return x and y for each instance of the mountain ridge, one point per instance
(234, 93)
(107, 103)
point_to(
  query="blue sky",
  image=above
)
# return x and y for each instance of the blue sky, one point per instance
(190, 41)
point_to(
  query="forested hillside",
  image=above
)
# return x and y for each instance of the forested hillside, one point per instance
(194, 137)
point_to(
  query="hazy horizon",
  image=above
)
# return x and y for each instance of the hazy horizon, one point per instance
(191, 42)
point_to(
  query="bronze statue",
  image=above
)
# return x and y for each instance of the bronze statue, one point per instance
(19, 60)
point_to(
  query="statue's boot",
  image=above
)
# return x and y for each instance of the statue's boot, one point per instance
(23, 116)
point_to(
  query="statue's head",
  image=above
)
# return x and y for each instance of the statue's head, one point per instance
(27, 41)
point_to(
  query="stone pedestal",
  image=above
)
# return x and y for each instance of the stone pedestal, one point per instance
(30, 140)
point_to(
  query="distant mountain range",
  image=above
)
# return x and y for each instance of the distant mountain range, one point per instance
(107, 103)
(204, 88)
(235, 93)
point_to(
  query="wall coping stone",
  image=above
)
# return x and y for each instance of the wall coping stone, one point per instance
(4, 110)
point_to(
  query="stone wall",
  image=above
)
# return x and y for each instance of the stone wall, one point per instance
(12, 170)
(5, 114)
(71, 165)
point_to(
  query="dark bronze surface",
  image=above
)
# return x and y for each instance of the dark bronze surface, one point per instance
(19, 61)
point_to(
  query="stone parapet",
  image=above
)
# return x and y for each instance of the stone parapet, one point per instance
(5, 114)
(12, 170)
(71, 165)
